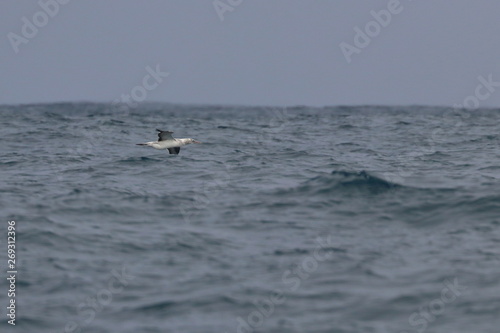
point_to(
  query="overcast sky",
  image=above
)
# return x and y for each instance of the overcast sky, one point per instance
(263, 52)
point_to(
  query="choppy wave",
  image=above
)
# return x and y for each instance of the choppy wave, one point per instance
(349, 181)
(206, 235)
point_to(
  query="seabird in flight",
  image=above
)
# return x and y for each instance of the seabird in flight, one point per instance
(166, 141)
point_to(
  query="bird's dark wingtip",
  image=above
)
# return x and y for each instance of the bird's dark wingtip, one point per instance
(159, 130)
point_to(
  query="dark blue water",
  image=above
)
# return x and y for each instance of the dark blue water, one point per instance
(336, 219)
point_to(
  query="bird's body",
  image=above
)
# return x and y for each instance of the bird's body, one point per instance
(166, 144)
(166, 141)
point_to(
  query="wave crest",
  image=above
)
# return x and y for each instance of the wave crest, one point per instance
(348, 181)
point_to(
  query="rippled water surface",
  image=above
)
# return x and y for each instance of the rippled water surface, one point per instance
(341, 219)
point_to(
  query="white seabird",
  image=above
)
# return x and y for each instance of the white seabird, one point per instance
(166, 141)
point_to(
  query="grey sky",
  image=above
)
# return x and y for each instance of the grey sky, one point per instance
(264, 52)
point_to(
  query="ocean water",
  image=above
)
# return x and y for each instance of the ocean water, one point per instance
(286, 219)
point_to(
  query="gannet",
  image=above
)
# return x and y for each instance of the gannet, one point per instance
(166, 141)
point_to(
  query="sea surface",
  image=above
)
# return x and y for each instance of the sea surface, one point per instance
(365, 219)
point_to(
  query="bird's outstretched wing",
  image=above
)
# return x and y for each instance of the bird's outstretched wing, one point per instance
(164, 135)
(174, 150)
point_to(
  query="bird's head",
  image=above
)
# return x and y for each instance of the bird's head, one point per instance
(193, 141)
